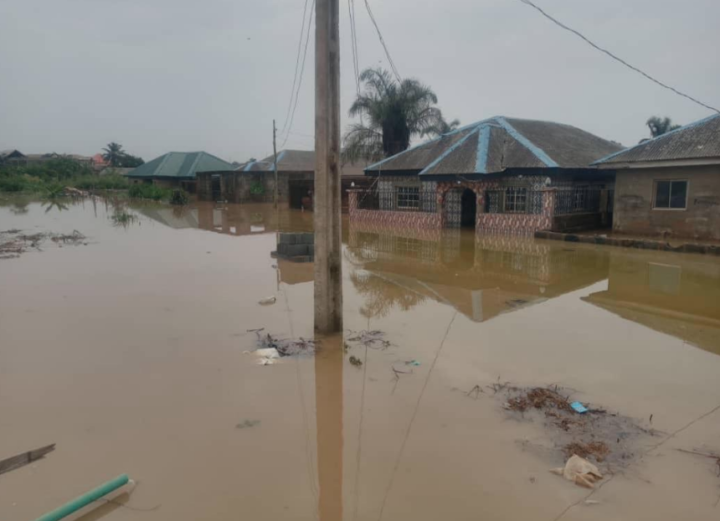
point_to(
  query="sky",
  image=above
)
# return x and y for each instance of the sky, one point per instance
(186, 75)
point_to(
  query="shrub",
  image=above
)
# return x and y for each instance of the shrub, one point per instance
(179, 197)
(148, 191)
(106, 182)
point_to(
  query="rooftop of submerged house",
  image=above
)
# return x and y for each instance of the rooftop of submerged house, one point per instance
(497, 144)
(699, 140)
(296, 161)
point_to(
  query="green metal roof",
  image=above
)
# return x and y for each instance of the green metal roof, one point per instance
(181, 165)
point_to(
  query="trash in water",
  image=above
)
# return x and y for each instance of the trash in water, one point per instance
(270, 352)
(579, 407)
(268, 301)
(285, 347)
(371, 339)
(579, 471)
(413, 363)
(247, 423)
(355, 361)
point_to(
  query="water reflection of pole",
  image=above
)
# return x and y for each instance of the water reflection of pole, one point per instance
(329, 404)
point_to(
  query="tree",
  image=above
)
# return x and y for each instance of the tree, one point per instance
(659, 126)
(395, 113)
(113, 153)
(130, 161)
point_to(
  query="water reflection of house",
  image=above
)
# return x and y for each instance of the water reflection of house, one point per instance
(177, 217)
(235, 219)
(682, 300)
(481, 276)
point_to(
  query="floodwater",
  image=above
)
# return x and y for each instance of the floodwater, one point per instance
(130, 353)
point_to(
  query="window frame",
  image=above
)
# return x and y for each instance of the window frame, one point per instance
(515, 193)
(398, 195)
(669, 208)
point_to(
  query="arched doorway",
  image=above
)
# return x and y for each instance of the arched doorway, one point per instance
(468, 213)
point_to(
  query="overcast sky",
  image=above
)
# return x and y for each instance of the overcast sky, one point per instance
(184, 75)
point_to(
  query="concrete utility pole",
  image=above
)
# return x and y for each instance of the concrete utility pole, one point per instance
(275, 165)
(327, 205)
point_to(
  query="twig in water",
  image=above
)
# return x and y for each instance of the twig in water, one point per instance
(477, 390)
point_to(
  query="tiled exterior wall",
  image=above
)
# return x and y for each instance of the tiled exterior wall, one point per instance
(485, 222)
(382, 218)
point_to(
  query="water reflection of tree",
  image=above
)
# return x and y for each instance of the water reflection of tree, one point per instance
(381, 296)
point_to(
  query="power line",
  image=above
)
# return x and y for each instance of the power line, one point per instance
(382, 41)
(302, 72)
(614, 57)
(354, 45)
(297, 65)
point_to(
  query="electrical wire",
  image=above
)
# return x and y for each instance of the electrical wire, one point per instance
(615, 57)
(382, 41)
(297, 66)
(300, 80)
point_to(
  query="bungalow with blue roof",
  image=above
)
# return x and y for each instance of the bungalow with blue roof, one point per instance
(499, 174)
(669, 186)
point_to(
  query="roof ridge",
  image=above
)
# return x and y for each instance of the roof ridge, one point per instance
(449, 151)
(524, 141)
(651, 140)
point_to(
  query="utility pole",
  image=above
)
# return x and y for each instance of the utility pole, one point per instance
(275, 165)
(327, 205)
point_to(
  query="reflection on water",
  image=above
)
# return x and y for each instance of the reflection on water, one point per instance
(680, 299)
(480, 276)
(132, 349)
(329, 361)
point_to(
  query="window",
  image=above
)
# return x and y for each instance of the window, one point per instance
(408, 197)
(670, 194)
(493, 198)
(515, 200)
(580, 198)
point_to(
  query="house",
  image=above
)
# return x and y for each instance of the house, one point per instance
(99, 162)
(255, 180)
(670, 185)
(503, 174)
(12, 157)
(178, 169)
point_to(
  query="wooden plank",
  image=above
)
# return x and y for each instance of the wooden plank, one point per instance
(25, 458)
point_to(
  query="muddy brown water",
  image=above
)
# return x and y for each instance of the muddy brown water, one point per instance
(129, 354)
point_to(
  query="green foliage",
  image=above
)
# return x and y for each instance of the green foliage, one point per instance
(106, 182)
(130, 161)
(395, 113)
(179, 197)
(659, 126)
(257, 187)
(117, 157)
(148, 191)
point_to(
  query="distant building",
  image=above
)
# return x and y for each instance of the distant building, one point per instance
(670, 185)
(99, 162)
(254, 181)
(178, 169)
(500, 174)
(12, 156)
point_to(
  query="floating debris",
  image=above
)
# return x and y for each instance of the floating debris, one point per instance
(372, 339)
(355, 361)
(285, 347)
(579, 471)
(13, 243)
(268, 301)
(247, 424)
(607, 438)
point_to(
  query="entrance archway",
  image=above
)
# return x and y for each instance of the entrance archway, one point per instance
(468, 203)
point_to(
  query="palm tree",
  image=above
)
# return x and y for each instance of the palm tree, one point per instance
(395, 113)
(659, 126)
(113, 153)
